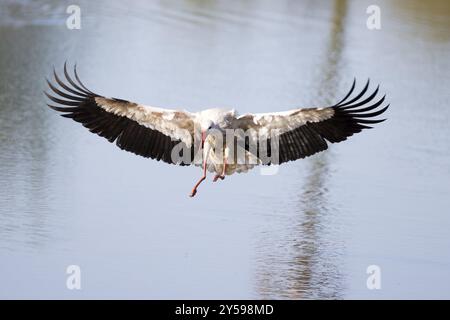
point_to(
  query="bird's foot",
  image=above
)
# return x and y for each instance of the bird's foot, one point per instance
(218, 176)
(194, 190)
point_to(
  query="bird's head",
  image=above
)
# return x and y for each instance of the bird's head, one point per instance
(205, 126)
(212, 120)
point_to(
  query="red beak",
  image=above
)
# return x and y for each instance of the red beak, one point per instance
(203, 137)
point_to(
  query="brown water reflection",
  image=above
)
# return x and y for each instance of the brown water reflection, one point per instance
(311, 273)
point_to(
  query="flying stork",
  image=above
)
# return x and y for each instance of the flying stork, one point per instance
(156, 132)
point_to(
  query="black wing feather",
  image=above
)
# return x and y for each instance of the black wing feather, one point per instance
(347, 120)
(78, 103)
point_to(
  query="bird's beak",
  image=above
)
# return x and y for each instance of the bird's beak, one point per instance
(203, 137)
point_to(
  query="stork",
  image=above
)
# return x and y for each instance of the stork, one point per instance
(200, 138)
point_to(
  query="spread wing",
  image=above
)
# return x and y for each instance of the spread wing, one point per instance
(146, 131)
(304, 132)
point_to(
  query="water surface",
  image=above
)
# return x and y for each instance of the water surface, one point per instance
(310, 231)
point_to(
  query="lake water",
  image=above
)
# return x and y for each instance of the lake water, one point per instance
(68, 197)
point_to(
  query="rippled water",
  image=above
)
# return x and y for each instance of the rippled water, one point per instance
(381, 198)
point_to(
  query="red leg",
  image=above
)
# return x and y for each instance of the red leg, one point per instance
(221, 176)
(194, 190)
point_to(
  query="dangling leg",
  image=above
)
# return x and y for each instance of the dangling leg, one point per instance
(194, 190)
(221, 176)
